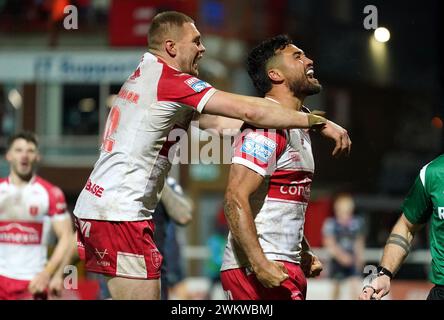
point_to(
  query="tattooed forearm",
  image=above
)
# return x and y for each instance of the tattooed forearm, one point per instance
(400, 241)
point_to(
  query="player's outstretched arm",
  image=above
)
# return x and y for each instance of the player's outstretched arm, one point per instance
(260, 112)
(265, 113)
(242, 182)
(395, 251)
(223, 126)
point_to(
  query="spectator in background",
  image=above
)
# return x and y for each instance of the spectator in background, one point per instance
(29, 208)
(344, 239)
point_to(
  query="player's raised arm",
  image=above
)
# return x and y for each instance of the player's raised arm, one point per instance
(260, 112)
(265, 113)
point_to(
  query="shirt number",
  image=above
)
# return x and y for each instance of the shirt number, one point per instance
(111, 126)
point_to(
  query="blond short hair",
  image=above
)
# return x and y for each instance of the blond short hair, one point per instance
(163, 25)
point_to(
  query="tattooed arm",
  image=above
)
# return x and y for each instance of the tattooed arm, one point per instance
(395, 251)
(242, 182)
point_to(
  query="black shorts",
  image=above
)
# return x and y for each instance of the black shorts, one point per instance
(437, 293)
(339, 272)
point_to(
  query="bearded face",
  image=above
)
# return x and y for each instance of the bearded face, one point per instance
(298, 71)
(304, 85)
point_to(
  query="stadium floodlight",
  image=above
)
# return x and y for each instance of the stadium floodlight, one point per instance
(382, 34)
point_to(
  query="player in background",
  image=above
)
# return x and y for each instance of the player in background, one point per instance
(424, 204)
(269, 186)
(30, 207)
(174, 207)
(114, 209)
(344, 240)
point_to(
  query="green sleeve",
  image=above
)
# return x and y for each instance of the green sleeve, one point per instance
(417, 206)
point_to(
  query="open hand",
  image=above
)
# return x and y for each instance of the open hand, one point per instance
(340, 136)
(378, 288)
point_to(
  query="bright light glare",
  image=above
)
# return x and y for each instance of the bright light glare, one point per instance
(15, 98)
(382, 34)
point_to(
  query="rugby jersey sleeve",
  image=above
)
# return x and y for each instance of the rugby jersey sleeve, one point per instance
(259, 149)
(184, 89)
(57, 203)
(418, 206)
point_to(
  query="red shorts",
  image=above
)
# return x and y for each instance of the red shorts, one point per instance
(13, 289)
(241, 284)
(119, 248)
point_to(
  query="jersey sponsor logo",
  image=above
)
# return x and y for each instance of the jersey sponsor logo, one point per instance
(85, 228)
(197, 84)
(100, 256)
(94, 189)
(296, 187)
(103, 263)
(441, 213)
(258, 146)
(296, 190)
(24, 233)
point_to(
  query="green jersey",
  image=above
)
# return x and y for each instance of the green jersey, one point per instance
(424, 202)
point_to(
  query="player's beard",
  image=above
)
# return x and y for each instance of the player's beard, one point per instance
(25, 175)
(304, 87)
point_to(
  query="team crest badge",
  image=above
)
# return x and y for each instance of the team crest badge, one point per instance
(155, 258)
(33, 210)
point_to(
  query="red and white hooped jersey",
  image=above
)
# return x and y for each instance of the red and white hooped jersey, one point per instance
(26, 213)
(127, 179)
(285, 159)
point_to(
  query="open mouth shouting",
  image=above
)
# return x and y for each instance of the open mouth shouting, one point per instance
(310, 74)
(195, 62)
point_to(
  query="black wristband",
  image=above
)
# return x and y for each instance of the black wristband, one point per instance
(383, 271)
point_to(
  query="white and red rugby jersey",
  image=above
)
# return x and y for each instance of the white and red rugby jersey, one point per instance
(25, 225)
(129, 175)
(285, 159)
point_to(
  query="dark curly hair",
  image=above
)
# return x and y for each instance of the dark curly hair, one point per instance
(26, 135)
(258, 58)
